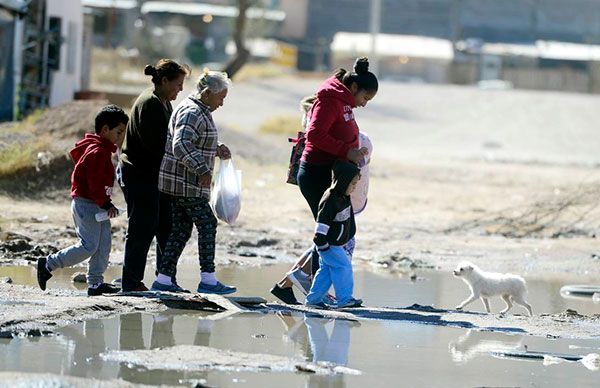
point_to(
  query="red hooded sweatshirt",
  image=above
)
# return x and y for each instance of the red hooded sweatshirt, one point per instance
(94, 173)
(332, 130)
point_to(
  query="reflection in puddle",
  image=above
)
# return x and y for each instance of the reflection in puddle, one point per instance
(383, 351)
(477, 343)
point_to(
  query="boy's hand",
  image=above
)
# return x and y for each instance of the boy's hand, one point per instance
(113, 212)
(223, 152)
(204, 180)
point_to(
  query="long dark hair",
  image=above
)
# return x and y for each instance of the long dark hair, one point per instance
(364, 79)
(166, 68)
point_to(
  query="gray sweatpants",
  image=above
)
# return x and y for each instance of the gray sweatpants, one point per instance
(94, 242)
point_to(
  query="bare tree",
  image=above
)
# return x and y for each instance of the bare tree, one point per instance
(242, 53)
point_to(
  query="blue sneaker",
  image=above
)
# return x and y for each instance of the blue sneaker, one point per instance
(318, 306)
(156, 286)
(219, 288)
(351, 303)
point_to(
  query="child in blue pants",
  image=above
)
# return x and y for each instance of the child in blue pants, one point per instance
(335, 228)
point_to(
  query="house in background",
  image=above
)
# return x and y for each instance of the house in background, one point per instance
(10, 13)
(43, 40)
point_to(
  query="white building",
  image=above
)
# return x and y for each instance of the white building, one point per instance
(66, 80)
(44, 45)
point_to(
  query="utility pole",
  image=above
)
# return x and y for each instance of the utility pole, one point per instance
(375, 27)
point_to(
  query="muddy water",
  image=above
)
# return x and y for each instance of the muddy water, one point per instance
(387, 353)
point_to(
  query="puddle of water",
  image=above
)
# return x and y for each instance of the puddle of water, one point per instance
(387, 353)
(434, 288)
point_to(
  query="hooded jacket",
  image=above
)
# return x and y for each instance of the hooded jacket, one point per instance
(94, 173)
(332, 130)
(335, 219)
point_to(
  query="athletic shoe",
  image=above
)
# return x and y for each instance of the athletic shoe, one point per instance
(350, 304)
(219, 288)
(140, 287)
(319, 305)
(300, 280)
(104, 288)
(156, 286)
(43, 275)
(286, 295)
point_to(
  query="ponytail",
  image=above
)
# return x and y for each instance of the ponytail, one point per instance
(364, 79)
(166, 68)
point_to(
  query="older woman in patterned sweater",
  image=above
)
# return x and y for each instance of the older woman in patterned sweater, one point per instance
(185, 176)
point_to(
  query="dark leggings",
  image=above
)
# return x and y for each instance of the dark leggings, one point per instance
(187, 212)
(314, 180)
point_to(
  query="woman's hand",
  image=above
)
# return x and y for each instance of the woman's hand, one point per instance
(223, 152)
(356, 155)
(204, 180)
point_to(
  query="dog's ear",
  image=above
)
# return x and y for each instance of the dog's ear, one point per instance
(468, 268)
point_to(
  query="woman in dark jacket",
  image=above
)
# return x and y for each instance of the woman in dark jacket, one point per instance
(332, 134)
(142, 152)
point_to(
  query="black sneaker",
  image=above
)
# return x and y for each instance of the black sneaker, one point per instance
(43, 275)
(286, 295)
(103, 288)
(140, 287)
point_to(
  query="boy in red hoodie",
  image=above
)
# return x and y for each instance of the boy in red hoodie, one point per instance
(91, 188)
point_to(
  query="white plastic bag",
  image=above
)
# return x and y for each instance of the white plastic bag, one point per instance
(359, 195)
(225, 198)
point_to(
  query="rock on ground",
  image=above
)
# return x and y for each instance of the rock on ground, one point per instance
(34, 312)
(46, 380)
(199, 358)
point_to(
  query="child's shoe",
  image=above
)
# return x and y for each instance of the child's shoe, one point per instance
(103, 288)
(350, 304)
(43, 275)
(318, 305)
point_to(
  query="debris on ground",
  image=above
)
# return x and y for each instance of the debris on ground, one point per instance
(79, 277)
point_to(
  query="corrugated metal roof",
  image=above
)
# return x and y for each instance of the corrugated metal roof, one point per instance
(392, 45)
(121, 4)
(545, 49)
(209, 9)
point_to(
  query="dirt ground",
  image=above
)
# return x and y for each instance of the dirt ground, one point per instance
(505, 179)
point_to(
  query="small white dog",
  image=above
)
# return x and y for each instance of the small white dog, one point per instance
(484, 285)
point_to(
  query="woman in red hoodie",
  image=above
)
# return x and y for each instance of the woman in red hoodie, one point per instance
(332, 134)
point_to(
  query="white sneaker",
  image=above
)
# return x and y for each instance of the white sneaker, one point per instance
(300, 280)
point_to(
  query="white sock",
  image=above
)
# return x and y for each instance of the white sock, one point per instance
(208, 278)
(164, 279)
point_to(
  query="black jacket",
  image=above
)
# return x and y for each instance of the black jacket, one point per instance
(144, 144)
(335, 219)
